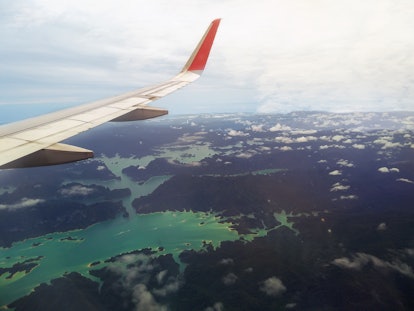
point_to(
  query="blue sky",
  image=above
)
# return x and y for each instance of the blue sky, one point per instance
(269, 56)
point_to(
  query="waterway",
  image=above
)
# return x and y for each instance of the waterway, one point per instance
(171, 232)
(167, 232)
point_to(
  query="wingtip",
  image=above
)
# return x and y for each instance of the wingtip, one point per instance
(199, 57)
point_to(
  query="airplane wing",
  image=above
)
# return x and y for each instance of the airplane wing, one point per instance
(35, 141)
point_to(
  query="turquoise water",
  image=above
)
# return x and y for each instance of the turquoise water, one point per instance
(174, 231)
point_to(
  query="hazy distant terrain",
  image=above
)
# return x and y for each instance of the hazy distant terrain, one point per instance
(320, 208)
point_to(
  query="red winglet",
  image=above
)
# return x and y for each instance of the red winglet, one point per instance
(198, 59)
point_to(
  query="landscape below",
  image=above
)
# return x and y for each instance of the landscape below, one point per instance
(300, 211)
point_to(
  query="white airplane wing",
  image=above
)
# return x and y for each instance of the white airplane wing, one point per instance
(35, 141)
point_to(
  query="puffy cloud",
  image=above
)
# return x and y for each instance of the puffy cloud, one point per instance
(234, 133)
(388, 170)
(304, 139)
(23, 203)
(229, 279)
(257, 128)
(144, 300)
(273, 286)
(339, 187)
(246, 155)
(358, 146)
(338, 138)
(286, 148)
(335, 173)
(360, 260)
(383, 170)
(346, 163)
(290, 305)
(76, 190)
(172, 286)
(387, 143)
(218, 306)
(284, 139)
(141, 279)
(226, 261)
(279, 127)
(382, 226)
(161, 275)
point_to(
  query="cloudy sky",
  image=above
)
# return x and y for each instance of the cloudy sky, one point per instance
(269, 55)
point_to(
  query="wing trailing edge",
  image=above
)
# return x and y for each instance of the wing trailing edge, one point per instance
(36, 141)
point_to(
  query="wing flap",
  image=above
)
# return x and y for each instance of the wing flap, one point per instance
(52, 155)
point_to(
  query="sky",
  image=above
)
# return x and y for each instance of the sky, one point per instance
(270, 56)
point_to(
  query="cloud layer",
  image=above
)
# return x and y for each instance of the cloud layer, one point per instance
(268, 57)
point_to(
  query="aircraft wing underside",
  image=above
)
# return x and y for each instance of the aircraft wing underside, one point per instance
(36, 141)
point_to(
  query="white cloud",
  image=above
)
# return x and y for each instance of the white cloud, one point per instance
(359, 53)
(339, 187)
(382, 226)
(405, 180)
(23, 203)
(161, 275)
(229, 279)
(304, 139)
(290, 305)
(279, 127)
(76, 190)
(335, 173)
(286, 148)
(246, 155)
(348, 197)
(257, 128)
(273, 286)
(226, 261)
(134, 271)
(236, 133)
(284, 140)
(218, 306)
(358, 146)
(387, 143)
(345, 163)
(304, 132)
(172, 286)
(383, 170)
(144, 300)
(360, 260)
(338, 138)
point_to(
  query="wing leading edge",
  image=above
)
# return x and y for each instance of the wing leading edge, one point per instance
(36, 141)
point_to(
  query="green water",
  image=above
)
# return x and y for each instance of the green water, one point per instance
(173, 231)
